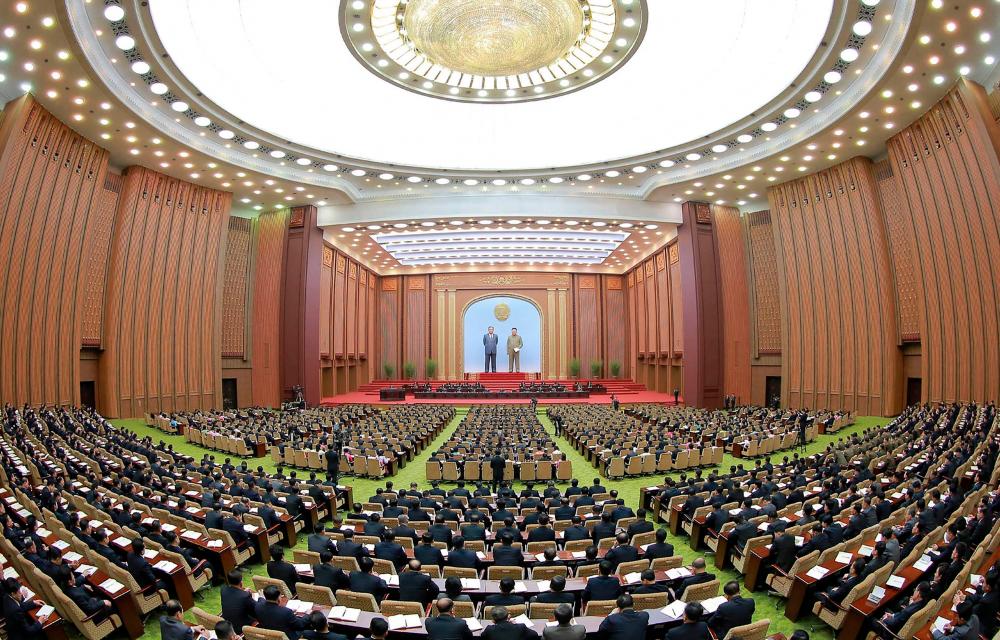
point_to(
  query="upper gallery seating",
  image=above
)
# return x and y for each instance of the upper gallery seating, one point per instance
(514, 432)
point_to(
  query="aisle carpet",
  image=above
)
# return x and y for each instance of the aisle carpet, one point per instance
(767, 607)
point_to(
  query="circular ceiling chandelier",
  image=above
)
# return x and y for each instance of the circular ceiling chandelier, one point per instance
(492, 50)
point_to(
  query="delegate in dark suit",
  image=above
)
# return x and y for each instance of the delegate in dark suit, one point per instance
(237, 607)
(417, 587)
(272, 615)
(490, 341)
(626, 625)
(174, 629)
(447, 628)
(507, 630)
(733, 613)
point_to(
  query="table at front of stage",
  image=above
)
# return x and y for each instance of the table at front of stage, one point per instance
(501, 395)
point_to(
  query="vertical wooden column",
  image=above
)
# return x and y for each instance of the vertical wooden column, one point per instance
(702, 326)
(300, 334)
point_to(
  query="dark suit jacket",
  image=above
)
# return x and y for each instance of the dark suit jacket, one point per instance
(319, 542)
(620, 554)
(272, 615)
(237, 607)
(507, 556)
(368, 583)
(327, 575)
(417, 587)
(141, 570)
(736, 612)
(391, 551)
(428, 554)
(174, 629)
(627, 625)
(19, 623)
(447, 628)
(284, 571)
(783, 551)
(695, 631)
(658, 550)
(213, 520)
(508, 630)
(697, 578)
(503, 600)
(602, 588)
(463, 558)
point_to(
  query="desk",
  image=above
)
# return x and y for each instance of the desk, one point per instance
(804, 584)
(863, 610)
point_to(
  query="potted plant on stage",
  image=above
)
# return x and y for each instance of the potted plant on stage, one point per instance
(616, 368)
(595, 368)
(389, 370)
(574, 368)
(430, 368)
(409, 370)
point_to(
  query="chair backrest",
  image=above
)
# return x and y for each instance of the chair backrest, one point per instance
(256, 633)
(460, 572)
(753, 631)
(305, 557)
(259, 582)
(355, 600)
(347, 563)
(542, 610)
(634, 566)
(649, 600)
(587, 571)
(699, 592)
(600, 608)
(317, 594)
(670, 562)
(499, 572)
(401, 608)
(461, 609)
(547, 573)
(514, 610)
(205, 618)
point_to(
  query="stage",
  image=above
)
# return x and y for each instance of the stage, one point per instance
(627, 392)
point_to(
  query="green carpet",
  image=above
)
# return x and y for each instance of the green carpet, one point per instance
(628, 488)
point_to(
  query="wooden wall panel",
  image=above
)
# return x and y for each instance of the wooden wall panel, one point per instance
(51, 186)
(351, 313)
(617, 323)
(269, 265)
(389, 323)
(99, 240)
(663, 301)
(641, 311)
(735, 302)
(901, 250)
(236, 288)
(416, 321)
(651, 310)
(839, 333)
(764, 293)
(587, 321)
(676, 303)
(300, 327)
(163, 321)
(339, 317)
(326, 302)
(949, 175)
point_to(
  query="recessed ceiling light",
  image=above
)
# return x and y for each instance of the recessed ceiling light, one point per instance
(141, 67)
(400, 225)
(348, 229)
(814, 96)
(543, 222)
(849, 55)
(386, 176)
(303, 162)
(427, 223)
(125, 42)
(158, 88)
(373, 227)
(330, 167)
(179, 106)
(862, 28)
(666, 164)
(251, 144)
(527, 181)
(792, 112)
(277, 153)
(599, 224)
(114, 12)
(744, 138)
(442, 181)
(584, 177)
(650, 226)
(719, 148)
(499, 182)
(456, 223)
(768, 126)
(484, 221)
(693, 156)
(513, 221)
(556, 180)
(358, 172)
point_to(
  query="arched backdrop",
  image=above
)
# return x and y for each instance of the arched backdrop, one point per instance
(481, 313)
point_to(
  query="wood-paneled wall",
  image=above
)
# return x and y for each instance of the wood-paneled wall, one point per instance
(839, 332)
(270, 229)
(345, 311)
(948, 173)
(655, 319)
(162, 312)
(236, 287)
(735, 302)
(53, 212)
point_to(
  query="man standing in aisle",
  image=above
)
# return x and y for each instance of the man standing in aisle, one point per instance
(490, 341)
(514, 344)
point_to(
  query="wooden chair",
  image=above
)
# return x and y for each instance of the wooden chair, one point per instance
(460, 572)
(257, 633)
(499, 572)
(649, 600)
(662, 564)
(634, 566)
(305, 557)
(542, 610)
(205, 618)
(514, 610)
(782, 582)
(699, 592)
(599, 608)
(834, 618)
(547, 573)
(401, 608)
(86, 625)
(616, 468)
(753, 631)
(313, 593)
(355, 600)
(259, 582)
(587, 571)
